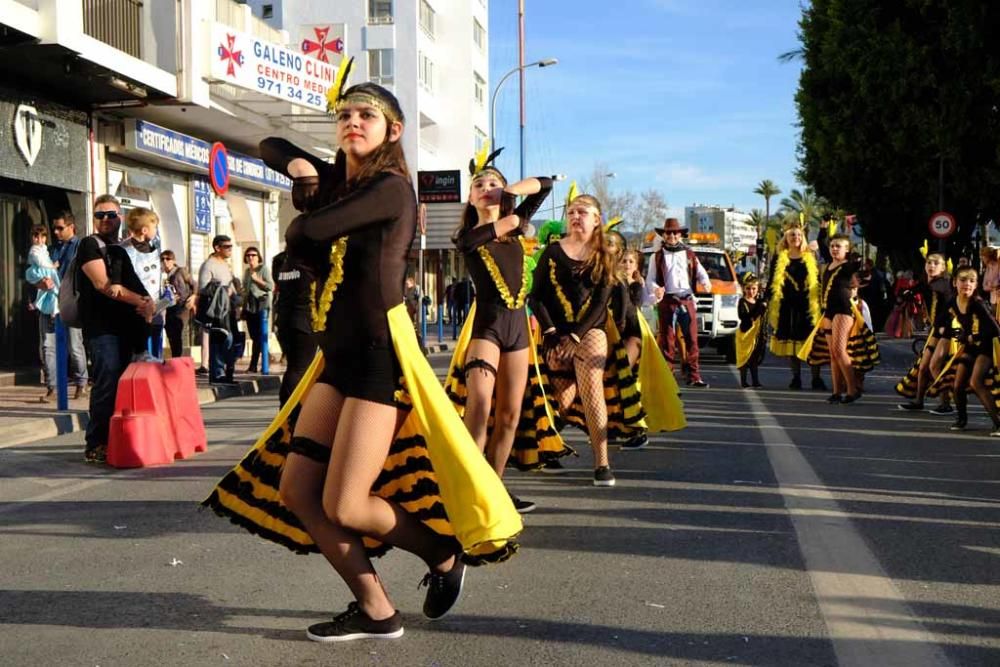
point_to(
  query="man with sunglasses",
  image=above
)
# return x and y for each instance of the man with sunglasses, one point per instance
(217, 269)
(106, 310)
(670, 283)
(63, 252)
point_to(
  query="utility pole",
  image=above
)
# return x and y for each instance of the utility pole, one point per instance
(520, 64)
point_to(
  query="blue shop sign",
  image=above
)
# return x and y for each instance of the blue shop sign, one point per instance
(202, 206)
(156, 140)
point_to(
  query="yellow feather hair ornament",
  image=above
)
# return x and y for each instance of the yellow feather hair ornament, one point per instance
(336, 91)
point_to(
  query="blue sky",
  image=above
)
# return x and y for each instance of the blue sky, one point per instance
(685, 96)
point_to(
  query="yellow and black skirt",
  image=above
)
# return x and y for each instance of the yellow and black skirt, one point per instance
(907, 386)
(434, 470)
(626, 416)
(862, 347)
(536, 440)
(946, 378)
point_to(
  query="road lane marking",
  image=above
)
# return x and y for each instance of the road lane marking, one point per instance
(844, 572)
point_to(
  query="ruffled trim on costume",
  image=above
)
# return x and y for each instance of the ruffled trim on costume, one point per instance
(778, 291)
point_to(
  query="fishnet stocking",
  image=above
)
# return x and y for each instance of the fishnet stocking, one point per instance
(588, 361)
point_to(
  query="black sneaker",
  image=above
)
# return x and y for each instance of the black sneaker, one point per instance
(910, 406)
(522, 506)
(995, 433)
(943, 409)
(604, 477)
(201, 370)
(850, 398)
(636, 442)
(818, 384)
(833, 398)
(443, 590)
(356, 624)
(796, 383)
(959, 424)
(554, 467)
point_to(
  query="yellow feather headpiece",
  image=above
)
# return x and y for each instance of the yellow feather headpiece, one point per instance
(570, 196)
(924, 250)
(483, 162)
(613, 222)
(336, 91)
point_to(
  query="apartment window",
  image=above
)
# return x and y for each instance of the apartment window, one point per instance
(427, 17)
(478, 35)
(267, 11)
(480, 139)
(480, 89)
(380, 11)
(426, 72)
(380, 66)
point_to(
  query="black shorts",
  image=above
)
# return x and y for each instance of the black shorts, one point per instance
(838, 303)
(370, 372)
(505, 328)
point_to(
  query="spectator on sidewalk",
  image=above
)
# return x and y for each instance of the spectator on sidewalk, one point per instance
(103, 310)
(42, 273)
(216, 274)
(136, 266)
(183, 286)
(257, 288)
(63, 253)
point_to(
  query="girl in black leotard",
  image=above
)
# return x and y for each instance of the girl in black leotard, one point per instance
(496, 359)
(974, 328)
(626, 298)
(348, 479)
(571, 288)
(838, 318)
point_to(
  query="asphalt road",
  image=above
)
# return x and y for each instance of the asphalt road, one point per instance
(774, 530)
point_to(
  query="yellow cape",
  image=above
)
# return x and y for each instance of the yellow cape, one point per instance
(536, 440)
(747, 341)
(434, 470)
(658, 386)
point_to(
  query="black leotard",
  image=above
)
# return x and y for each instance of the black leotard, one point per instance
(494, 321)
(836, 289)
(379, 219)
(977, 328)
(577, 287)
(748, 312)
(624, 303)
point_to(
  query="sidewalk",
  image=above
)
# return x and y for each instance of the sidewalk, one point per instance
(24, 418)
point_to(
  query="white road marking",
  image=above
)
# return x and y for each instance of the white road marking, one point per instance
(845, 574)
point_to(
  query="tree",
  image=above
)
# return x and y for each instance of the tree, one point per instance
(899, 109)
(766, 189)
(613, 204)
(804, 205)
(650, 212)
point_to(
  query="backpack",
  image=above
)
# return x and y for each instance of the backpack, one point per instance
(69, 294)
(181, 284)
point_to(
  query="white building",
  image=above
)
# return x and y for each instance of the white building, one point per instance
(726, 228)
(432, 54)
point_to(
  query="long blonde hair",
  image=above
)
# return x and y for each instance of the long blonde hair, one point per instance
(637, 274)
(783, 243)
(600, 262)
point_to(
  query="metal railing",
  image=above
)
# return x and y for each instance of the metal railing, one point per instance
(380, 19)
(117, 23)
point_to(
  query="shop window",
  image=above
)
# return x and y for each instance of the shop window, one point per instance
(380, 66)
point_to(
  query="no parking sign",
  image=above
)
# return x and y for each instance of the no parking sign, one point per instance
(218, 168)
(942, 225)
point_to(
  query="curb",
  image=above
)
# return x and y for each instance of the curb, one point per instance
(21, 430)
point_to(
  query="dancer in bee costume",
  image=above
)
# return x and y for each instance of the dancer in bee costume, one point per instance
(937, 294)
(751, 337)
(792, 296)
(658, 390)
(975, 361)
(495, 355)
(829, 340)
(592, 381)
(403, 470)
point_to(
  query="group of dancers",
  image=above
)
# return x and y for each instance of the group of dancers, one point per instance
(370, 451)
(815, 315)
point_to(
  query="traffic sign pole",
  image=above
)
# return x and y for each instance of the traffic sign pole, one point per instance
(941, 226)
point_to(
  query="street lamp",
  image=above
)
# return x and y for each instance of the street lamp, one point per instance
(555, 177)
(493, 102)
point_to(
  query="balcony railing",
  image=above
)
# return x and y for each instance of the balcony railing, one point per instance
(117, 23)
(380, 19)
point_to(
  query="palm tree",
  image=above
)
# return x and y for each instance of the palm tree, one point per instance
(804, 204)
(767, 189)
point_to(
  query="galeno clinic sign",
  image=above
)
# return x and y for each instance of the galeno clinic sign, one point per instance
(246, 61)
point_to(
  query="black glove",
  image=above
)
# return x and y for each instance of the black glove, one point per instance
(304, 191)
(508, 201)
(550, 341)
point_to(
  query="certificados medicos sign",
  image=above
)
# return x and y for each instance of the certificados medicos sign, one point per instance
(246, 61)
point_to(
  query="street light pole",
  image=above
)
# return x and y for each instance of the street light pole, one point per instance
(547, 62)
(555, 178)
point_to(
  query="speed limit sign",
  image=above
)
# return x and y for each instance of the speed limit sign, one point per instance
(942, 225)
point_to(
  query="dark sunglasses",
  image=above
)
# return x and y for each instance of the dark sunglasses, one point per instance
(226, 246)
(101, 215)
(252, 254)
(58, 229)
